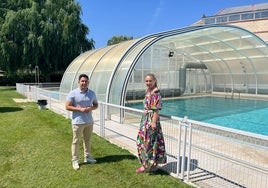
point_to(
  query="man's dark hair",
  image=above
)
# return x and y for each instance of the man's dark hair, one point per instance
(83, 75)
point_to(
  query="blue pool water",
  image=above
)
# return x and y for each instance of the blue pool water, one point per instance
(242, 114)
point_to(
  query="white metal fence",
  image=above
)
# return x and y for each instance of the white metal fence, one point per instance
(202, 154)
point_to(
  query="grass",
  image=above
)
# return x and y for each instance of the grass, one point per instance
(35, 151)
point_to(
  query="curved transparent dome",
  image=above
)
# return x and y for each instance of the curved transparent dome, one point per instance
(197, 59)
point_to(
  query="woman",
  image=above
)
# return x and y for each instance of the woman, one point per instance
(150, 140)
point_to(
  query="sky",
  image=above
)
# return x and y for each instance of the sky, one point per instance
(139, 18)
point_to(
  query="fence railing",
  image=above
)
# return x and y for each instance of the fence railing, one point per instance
(202, 154)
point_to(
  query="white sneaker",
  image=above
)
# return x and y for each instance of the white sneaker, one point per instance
(90, 160)
(76, 165)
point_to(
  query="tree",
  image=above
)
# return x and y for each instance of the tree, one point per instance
(118, 39)
(47, 34)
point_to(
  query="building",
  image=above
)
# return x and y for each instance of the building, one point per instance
(250, 17)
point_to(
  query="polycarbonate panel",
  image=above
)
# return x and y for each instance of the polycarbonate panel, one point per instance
(251, 52)
(262, 83)
(103, 72)
(124, 66)
(240, 43)
(261, 65)
(88, 66)
(66, 83)
(222, 82)
(240, 66)
(68, 78)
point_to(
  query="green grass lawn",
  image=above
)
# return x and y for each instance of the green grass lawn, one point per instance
(35, 151)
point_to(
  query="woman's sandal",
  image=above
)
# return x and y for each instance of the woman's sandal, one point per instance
(140, 170)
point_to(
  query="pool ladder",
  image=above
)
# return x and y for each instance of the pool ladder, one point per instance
(232, 94)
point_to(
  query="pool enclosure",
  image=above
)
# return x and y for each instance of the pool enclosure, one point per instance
(191, 60)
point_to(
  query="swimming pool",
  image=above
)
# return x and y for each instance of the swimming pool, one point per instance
(243, 114)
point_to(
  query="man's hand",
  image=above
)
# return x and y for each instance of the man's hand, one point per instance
(86, 109)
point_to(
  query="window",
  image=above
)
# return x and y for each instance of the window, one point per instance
(221, 19)
(257, 15)
(264, 14)
(210, 21)
(235, 17)
(247, 16)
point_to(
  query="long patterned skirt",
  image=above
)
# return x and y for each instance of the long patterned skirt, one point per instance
(150, 144)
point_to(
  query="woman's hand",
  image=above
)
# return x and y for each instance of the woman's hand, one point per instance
(153, 125)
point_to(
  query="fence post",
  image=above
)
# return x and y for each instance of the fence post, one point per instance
(102, 120)
(189, 151)
(182, 159)
(179, 151)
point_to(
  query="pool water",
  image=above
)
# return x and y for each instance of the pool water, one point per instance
(243, 114)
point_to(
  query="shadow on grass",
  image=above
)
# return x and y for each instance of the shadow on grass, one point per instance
(159, 172)
(115, 158)
(10, 109)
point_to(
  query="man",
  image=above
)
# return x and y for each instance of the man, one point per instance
(81, 101)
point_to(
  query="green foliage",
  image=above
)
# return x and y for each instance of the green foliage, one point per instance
(35, 152)
(118, 39)
(11, 80)
(47, 34)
